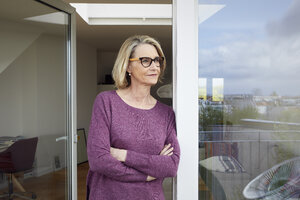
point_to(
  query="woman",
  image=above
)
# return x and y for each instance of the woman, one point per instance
(132, 143)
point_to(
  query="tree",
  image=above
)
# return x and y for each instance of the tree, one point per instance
(257, 92)
(274, 93)
(209, 116)
(237, 114)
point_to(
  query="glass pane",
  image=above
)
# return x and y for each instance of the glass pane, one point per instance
(33, 98)
(249, 99)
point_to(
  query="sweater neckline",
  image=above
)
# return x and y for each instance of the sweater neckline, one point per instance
(132, 107)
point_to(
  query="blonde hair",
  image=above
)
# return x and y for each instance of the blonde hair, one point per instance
(119, 72)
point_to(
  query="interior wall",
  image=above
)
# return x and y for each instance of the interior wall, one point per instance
(51, 101)
(10, 102)
(33, 95)
(105, 64)
(16, 69)
(14, 39)
(86, 83)
(33, 98)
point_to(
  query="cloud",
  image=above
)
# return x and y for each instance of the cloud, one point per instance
(288, 25)
(235, 60)
(270, 63)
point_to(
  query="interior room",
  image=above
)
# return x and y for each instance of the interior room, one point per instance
(97, 49)
(34, 83)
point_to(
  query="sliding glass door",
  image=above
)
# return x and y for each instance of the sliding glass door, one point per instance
(37, 95)
(249, 99)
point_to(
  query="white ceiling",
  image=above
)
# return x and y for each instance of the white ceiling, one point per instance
(121, 1)
(110, 38)
(103, 37)
(19, 11)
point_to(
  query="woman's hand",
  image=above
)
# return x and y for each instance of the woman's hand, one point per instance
(150, 178)
(119, 154)
(167, 150)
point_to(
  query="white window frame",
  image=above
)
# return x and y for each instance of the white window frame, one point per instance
(185, 101)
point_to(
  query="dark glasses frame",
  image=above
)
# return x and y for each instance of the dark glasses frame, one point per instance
(158, 59)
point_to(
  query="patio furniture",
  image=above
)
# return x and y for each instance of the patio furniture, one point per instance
(280, 182)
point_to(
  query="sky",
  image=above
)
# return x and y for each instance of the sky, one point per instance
(252, 44)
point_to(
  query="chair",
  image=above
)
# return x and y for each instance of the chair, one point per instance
(282, 181)
(16, 158)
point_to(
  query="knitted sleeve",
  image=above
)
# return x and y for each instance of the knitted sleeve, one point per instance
(158, 166)
(98, 147)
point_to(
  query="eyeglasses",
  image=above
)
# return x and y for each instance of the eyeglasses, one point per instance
(146, 61)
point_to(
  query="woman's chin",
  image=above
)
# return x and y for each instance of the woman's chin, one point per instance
(153, 83)
(147, 82)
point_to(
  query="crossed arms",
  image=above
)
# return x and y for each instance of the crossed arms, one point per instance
(126, 165)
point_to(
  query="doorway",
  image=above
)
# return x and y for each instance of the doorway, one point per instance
(97, 49)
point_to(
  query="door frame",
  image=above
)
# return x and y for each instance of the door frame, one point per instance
(185, 101)
(71, 128)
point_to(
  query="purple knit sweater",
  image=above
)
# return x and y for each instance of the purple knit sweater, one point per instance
(143, 133)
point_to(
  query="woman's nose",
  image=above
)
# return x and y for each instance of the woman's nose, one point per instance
(153, 65)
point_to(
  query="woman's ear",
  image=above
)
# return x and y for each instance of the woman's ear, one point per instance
(128, 69)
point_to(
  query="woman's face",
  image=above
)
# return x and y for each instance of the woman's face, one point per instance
(147, 76)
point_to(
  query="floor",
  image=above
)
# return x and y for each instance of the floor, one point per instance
(52, 186)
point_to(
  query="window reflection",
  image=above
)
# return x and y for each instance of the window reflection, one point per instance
(249, 119)
(218, 89)
(202, 90)
(33, 95)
